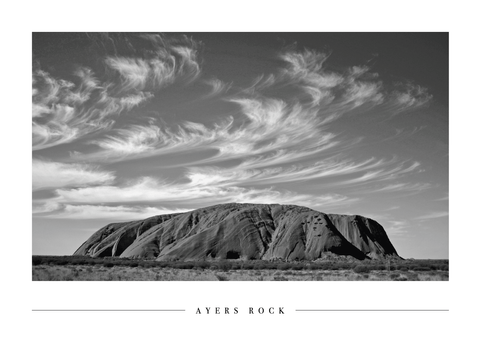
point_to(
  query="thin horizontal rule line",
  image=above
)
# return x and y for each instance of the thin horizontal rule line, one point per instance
(107, 310)
(373, 310)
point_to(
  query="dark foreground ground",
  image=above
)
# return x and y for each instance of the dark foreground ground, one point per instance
(81, 268)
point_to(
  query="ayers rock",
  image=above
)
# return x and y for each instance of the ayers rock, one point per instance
(242, 231)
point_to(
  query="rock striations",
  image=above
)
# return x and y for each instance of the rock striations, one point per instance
(242, 231)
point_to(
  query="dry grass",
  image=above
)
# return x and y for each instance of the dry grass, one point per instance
(48, 272)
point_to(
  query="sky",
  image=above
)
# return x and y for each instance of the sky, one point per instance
(130, 125)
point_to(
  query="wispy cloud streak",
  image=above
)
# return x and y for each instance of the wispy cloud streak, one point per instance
(403, 187)
(63, 111)
(66, 110)
(112, 212)
(396, 227)
(58, 175)
(265, 142)
(271, 124)
(153, 191)
(433, 215)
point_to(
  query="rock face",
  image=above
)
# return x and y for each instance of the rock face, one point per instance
(242, 231)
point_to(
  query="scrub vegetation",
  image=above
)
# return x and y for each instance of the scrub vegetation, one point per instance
(82, 268)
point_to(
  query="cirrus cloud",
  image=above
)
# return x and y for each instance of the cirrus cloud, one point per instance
(64, 111)
(57, 175)
(112, 212)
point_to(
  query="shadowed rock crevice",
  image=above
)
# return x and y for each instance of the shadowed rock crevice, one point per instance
(232, 255)
(242, 231)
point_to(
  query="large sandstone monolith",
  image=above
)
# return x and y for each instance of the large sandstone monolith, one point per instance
(242, 231)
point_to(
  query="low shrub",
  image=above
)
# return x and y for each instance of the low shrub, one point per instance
(186, 265)
(203, 264)
(361, 269)
(36, 261)
(344, 265)
(394, 276)
(236, 266)
(247, 266)
(225, 266)
(221, 277)
(283, 266)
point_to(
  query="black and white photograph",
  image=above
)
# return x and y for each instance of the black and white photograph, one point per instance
(239, 172)
(240, 156)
